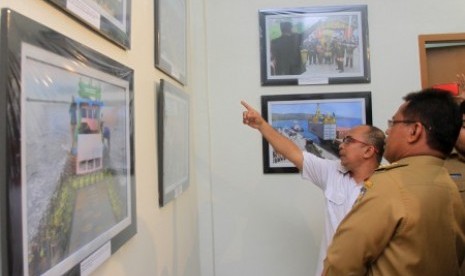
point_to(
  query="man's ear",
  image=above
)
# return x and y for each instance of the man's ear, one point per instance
(415, 132)
(370, 151)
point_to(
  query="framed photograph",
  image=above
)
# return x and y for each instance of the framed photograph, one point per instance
(314, 122)
(67, 152)
(314, 45)
(173, 142)
(171, 38)
(110, 18)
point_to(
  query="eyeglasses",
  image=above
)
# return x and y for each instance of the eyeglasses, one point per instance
(391, 123)
(350, 140)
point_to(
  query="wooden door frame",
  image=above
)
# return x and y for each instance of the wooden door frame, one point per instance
(423, 40)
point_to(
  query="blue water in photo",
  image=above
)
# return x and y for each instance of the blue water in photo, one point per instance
(303, 124)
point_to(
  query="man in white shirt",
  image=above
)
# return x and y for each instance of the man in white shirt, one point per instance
(341, 181)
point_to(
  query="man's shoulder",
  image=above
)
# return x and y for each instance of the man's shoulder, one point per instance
(454, 160)
(383, 179)
(390, 167)
(387, 172)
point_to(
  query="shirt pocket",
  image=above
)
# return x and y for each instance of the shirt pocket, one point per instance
(461, 185)
(335, 198)
(459, 180)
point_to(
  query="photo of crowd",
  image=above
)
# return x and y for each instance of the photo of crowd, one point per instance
(315, 45)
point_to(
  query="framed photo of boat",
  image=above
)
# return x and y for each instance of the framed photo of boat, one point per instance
(173, 142)
(314, 45)
(171, 38)
(314, 122)
(110, 18)
(66, 151)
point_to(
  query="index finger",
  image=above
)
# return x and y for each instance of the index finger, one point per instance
(247, 106)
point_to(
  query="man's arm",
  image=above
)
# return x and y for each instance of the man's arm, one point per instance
(281, 144)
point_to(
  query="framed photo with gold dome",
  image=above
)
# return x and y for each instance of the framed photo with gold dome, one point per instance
(314, 45)
(314, 122)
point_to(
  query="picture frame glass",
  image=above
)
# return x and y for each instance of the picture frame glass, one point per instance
(316, 123)
(171, 38)
(110, 18)
(314, 45)
(70, 164)
(173, 142)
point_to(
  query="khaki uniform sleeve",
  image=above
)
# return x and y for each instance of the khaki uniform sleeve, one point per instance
(365, 231)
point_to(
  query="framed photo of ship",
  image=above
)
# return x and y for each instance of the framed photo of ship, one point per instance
(171, 38)
(173, 142)
(314, 122)
(314, 45)
(67, 151)
(110, 18)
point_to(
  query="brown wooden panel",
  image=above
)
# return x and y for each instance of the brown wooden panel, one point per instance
(443, 64)
(442, 57)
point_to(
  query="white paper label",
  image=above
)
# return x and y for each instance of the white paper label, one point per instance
(96, 259)
(84, 11)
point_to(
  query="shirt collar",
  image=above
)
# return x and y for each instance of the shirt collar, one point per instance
(421, 159)
(342, 169)
(456, 154)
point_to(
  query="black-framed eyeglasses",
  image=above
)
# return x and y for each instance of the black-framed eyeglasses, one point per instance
(350, 140)
(391, 123)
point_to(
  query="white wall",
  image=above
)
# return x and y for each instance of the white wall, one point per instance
(271, 224)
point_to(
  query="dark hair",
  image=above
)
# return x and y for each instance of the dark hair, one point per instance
(286, 27)
(376, 137)
(462, 107)
(437, 111)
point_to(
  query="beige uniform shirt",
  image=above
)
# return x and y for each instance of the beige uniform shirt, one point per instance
(410, 221)
(456, 167)
(455, 164)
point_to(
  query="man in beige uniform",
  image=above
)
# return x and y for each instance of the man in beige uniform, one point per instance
(455, 163)
(410, 220)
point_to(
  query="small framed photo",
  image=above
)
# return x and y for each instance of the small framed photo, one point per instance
(110, 18)
(314, 122)
(314, 45)
(171, 38)
(67, 180)
(173, 142)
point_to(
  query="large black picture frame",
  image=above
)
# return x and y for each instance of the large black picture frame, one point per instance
(314, 45)
(67, 192)
(110, 18)
(173, 142)
(315, 122)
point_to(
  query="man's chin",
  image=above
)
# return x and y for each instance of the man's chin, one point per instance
(342, 160)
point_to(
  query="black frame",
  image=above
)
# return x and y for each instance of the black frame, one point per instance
(295, 115)
(171, 38)
(115, 27)
(173, 142)
(321, 36)
(27, 47)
